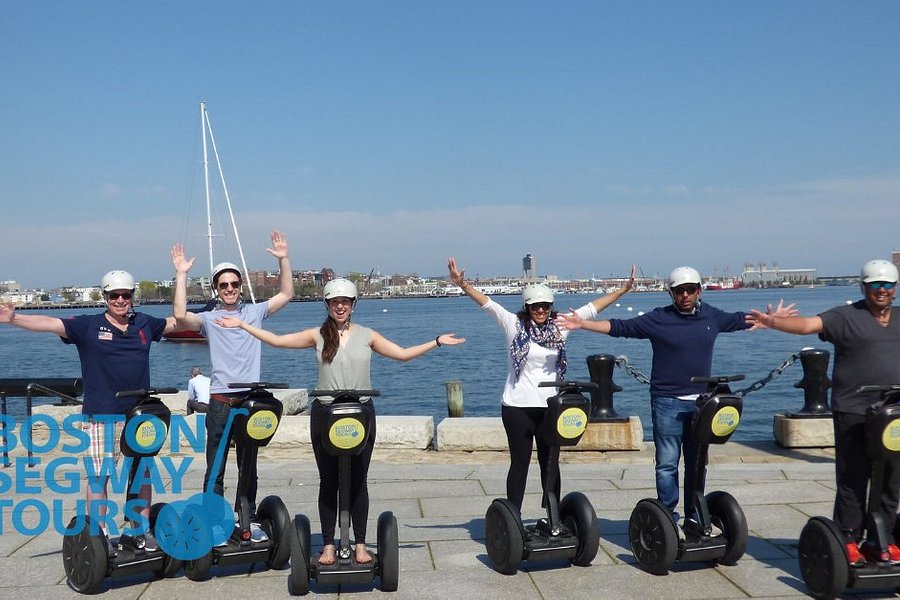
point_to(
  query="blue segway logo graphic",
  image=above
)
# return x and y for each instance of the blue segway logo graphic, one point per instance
(571, 423)
(346, 433)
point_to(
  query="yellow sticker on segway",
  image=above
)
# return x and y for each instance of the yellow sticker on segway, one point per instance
(262, 424)
(890, 437)
(571, 423)
(347, 433)
(146, 434)
(725, 421)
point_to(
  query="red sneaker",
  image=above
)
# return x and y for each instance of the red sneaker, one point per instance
(854, 557)
(873, 553)
(894, 551)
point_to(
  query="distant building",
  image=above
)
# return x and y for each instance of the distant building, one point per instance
(529, 267)
(762, 276)
(895, 258)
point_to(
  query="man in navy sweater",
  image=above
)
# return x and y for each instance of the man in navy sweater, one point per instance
(682, 336)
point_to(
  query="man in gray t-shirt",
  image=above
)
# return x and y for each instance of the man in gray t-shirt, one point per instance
(866, 342)
(234, 353)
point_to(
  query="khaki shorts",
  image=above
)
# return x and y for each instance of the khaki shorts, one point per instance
(104, 444)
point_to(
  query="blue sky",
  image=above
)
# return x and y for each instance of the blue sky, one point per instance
(392, 134)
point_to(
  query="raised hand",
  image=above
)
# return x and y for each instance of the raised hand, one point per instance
(7, 312)
(570, 320)
(181, 264)
(279, 247)
(456, 276)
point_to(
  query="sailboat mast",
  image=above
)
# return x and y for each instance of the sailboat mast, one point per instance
(209, 234)
(237, 237)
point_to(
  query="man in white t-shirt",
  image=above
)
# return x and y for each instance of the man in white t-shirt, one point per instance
(197, 392)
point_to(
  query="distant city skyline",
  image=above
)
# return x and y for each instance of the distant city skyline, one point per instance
(592, 134)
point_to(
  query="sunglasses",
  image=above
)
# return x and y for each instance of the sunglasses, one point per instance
(232, 284)
(117, 295)
(686, 289)
(540, 306)
(881, 285)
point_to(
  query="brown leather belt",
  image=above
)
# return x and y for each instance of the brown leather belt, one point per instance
(229, 399)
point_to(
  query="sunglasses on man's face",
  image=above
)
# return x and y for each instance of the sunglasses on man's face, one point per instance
(226, 284)
(540, 306)
(881, 285)
(686, 289)
(117, 295)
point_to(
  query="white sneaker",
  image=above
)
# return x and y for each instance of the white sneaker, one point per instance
(714, 531)
(258, 535)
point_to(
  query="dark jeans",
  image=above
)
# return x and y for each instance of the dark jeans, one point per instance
(328, 477)
(522, 426)
(194, 405)
(853, 469)
(671, 434)
(216, 418)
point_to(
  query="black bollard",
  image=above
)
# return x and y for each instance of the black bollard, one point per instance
(815, 384)
(600, 367)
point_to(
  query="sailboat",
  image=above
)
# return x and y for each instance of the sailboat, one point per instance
(209, 141)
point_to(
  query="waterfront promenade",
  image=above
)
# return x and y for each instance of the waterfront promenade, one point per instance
(440, 499)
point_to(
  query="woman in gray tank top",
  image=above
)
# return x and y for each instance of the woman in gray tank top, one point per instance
(343, 355)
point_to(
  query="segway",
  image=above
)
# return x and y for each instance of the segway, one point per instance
(570, 530)
(652, 530)
(824, 563)
(89, 557)
(345, 433)
(254, 422)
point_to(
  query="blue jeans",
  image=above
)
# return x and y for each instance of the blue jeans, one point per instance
(672, 432)
(216, 418)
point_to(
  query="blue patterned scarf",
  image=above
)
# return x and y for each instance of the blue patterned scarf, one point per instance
(547, 335)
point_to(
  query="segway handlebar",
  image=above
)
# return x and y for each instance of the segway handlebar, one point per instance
(718, 379)
(580, 385)
(258, 385)
(335, 393)
(877, 388)
(146, 392)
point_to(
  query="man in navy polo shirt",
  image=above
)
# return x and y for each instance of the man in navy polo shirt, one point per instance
(114, 349)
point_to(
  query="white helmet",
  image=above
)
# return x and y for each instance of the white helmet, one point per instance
(223, 267)
(536, 292)
(117, 280)
(683, 275)
(878, 270)
(340, 288)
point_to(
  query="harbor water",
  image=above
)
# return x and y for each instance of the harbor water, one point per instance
(417, 387)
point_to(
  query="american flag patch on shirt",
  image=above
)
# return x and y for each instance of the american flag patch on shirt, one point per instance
(105, 336)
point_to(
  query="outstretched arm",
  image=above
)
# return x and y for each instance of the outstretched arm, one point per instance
(279, 250)
(299, 339)
(603, 301)
(185, 319)
(40, 323)
(571, 321)
(459, 278)
(389, 349)
(784, 318)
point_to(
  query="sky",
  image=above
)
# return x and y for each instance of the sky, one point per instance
(391, 135)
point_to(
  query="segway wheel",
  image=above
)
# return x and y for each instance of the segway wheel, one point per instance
(298, 580)
(577, 514)
(503, 536)
(388, 551)
(725, 512)
(653, 537)
(85, 558)
(164, 529)
(195, 526)
(276, 521)
(823, 558)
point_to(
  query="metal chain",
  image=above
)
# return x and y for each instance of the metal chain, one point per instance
(773, 374)
(622, 361)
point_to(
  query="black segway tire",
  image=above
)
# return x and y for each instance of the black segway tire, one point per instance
(725, 512)
(193, 520)
(579, 517)
(170, 566)
(276, 521)
(85, 558)
(388, 551)
(653, 536)
(503, 536)
(823, 558)
(298, 580)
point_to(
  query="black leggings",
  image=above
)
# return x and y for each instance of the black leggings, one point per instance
(522, 425)
(328, 478)
(853, 470)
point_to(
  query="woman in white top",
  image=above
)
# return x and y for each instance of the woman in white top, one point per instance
(343, 355)
(537, 353)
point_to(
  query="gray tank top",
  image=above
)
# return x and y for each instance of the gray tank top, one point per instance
(350, 368)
